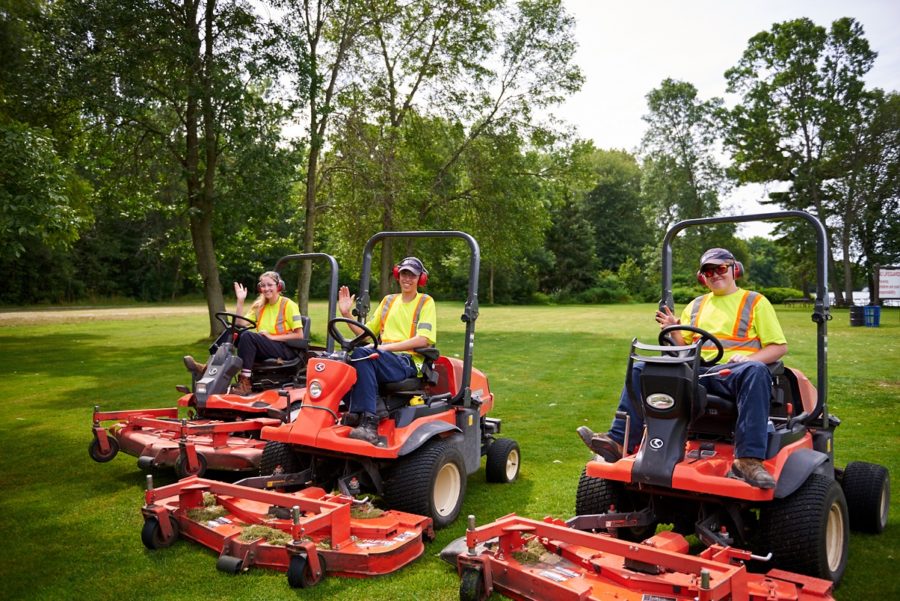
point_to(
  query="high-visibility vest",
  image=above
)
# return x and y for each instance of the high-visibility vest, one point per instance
(389, 304)
(280, 319)
(738, 340)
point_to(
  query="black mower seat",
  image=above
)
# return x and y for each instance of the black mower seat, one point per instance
(720, 413)
(416, 384)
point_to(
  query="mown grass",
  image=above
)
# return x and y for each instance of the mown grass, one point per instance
(70, 528)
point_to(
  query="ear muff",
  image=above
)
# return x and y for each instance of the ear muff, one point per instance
(701, 278)
(423, 277)
(279, 283)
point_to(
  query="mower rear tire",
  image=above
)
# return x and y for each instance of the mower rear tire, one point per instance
(808, 531)
(867, 487)
(430, 482)
(181, 467)
(152, 535)
(596, 495)
(503, 461)
(300, 574)
(471, 585)
(277, 454)
(98, 455)
(229, 564)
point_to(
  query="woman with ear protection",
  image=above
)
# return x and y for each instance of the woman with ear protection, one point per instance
(277, 321)
(746, 325)
(403, 322)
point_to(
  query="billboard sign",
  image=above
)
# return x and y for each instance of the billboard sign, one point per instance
(889, 282)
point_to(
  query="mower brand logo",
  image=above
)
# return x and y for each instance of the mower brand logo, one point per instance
(320, 367)
(213, 371)
(656, 443)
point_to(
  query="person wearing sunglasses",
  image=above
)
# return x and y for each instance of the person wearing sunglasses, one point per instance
(746, 324)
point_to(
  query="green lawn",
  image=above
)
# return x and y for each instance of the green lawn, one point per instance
(70, 527)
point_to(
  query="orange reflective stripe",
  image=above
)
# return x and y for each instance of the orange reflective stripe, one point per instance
(388, 303)
(280, 327)
(416, 314)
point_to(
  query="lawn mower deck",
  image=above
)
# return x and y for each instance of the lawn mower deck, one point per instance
(159, 438)
(320, 532)
(548, 560)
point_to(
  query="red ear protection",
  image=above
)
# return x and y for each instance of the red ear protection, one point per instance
(738, 272)
(423, 277)
(278, 281)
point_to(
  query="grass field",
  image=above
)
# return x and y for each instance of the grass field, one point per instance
(70, 527)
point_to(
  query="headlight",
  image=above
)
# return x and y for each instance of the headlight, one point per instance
(201, 388)
(660, 400)
(315, 389)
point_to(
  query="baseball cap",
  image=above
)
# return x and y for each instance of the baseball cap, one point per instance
(716, 256)
(411, 264)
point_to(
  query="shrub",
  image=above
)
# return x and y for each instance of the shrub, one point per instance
(777, 295)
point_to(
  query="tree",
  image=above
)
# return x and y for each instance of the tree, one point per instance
(801, 91)
(179, 73)
(427, 60)
(616, 208)
(683, 178)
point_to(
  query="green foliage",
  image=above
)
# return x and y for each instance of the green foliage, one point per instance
(777, 295)
(608, 289)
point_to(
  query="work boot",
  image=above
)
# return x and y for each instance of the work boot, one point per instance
(753, 472)
(198, 369)
(351, 418)
(601, 444)
(244, 386)
(367, 429)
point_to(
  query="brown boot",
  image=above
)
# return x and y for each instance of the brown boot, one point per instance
(601, 444)
(753, 472)
(244, 387)
(198, 369)
(367, 429)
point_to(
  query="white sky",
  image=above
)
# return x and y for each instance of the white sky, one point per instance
(627, 48)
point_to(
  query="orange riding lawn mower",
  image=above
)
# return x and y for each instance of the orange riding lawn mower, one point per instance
(311, 510)
(788, 542)
(211, 428)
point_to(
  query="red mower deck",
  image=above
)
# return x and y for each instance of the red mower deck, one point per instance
(325, 537)
(548, 560)
(158, 438)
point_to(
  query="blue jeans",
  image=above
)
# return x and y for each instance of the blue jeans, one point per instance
(749, 383)
(388, 367)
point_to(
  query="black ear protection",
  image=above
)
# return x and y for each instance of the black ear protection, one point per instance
(423, 277)
(278, 281)
(738, 272)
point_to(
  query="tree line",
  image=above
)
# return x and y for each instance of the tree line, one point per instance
(148, 150)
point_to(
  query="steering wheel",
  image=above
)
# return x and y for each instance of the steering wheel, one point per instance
(666, 340)
(229, 320)
(349, 345)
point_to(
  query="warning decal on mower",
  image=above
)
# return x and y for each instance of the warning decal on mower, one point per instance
(657, 598)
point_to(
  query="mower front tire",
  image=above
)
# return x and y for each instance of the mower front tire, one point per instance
(98, 455)
(867, 487)
(152, 535)
(503, 461)
(277, 454)
(430, 482)
(808, 531)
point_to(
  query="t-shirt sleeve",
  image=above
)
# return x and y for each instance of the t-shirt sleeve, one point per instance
(292, 316)
(766, 323)
(427, 325)
(374, 322)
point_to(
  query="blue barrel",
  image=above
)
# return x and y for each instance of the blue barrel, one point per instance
(857, 316)
(872, 316)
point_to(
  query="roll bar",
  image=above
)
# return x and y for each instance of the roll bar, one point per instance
(470, 314)
(821, 312)
(332, 288)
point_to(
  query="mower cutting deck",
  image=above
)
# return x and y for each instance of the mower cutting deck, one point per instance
(157, 437)
(322, 533)
(528, 559)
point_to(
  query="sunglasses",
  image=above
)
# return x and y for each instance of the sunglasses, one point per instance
(710, 270)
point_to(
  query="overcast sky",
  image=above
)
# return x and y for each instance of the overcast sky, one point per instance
(626, 48)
